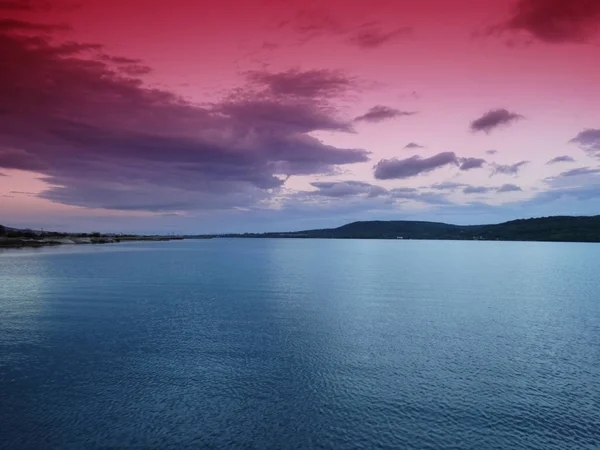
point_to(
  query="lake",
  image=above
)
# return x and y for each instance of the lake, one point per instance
(266, 343)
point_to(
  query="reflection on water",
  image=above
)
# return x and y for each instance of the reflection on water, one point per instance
(300, 344)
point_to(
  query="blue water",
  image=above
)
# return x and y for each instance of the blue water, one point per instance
(301, 344)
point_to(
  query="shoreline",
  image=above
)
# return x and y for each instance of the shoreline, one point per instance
(19, 242)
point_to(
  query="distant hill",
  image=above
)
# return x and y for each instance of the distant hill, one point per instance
(558, 229)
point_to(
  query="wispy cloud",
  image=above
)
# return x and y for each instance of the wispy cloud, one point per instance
(447, 186)
(380, 113)
(580, 171)
(487, 189)
(303, 84)
(311, 23)
(508, 169)
(560, 159)
(347, 188)
(394, 168)
(375, 36)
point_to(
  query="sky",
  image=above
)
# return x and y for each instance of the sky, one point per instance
(218, 116)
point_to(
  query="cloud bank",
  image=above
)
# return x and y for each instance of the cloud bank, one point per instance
(103, 139)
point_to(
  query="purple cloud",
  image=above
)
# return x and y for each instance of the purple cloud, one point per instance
(477, 190)
(508, 169)
(491, 152)
(493, 119)
(354, 190)
(394, 168)
(555, 21)
(374, 37)
(432, 198)
(446, 186)
(380, 113)
(589, 141)
(486, 189)
(348, 188)
(471, 163)
(560, 159)
(580, 171)
(509, 188)
(311, 23)
(102, 138)
(307, 84)
(413, 145)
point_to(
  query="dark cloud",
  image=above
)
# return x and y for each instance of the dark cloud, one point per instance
(508, 169)
(307, 84)
(14, 25)
(102, 138)
(580, 171)
(491, 152)
(509, 188)
(588, 140)
(348, 188)
(374, 37)
(15, 5)
(560, 159)
(555, 21)
(394, 168)
(19, 159)
(413, 145)
(380, 113)
(23, 5)
(471, 163)
(493, 119)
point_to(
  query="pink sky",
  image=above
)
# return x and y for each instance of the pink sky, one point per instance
(246, 116)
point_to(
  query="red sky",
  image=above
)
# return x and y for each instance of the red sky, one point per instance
(289, 114)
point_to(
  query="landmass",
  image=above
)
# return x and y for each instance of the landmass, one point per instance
(553, 229)
(19, 238)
